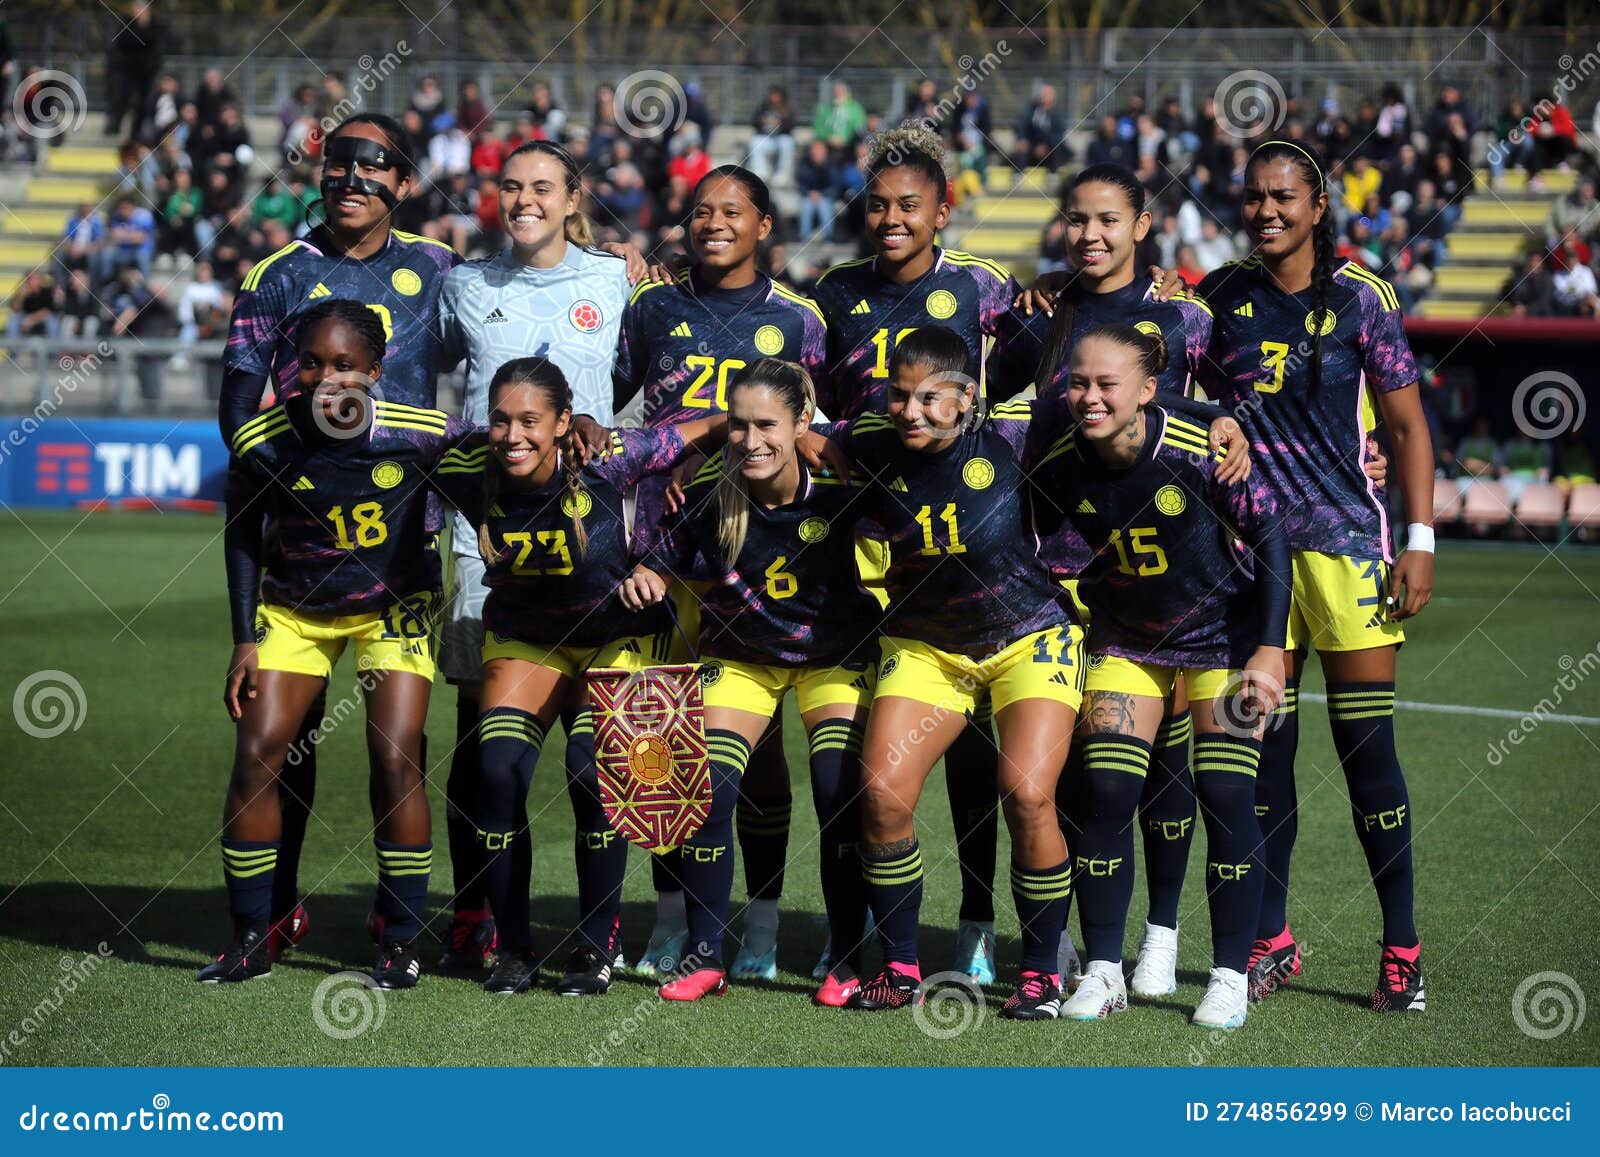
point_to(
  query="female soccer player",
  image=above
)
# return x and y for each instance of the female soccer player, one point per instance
(683, 341)
(785, 609)
(554, 543)
(1169, 594)
(331, 491)
(1302, 347)
(870, 305)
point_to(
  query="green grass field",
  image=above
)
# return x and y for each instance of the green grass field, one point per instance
(108, 834)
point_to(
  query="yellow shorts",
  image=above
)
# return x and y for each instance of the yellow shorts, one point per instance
(1338, 604)
(399, 638)
(1114, 673)
(872, 561)
(1071, 587)
(630, 653)
(759, 688)
(1047, 664)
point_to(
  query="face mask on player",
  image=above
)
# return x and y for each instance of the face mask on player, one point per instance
(349, 154)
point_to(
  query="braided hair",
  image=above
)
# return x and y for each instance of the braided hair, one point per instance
(1324, 240)
(545, 376)
(363, 322)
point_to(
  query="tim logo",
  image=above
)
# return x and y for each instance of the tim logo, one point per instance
(63, 468)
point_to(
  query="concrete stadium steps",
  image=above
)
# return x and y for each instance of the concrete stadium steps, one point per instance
(73, 158)
(80, 170)
(1447, 310)
(44, 222)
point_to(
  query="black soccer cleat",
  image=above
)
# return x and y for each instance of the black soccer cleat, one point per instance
(469, 944)
(891, 988)
(287, 931)
(1272, 963)
(1400, 981)
(245, 959)
(588, 973)
(515, 972)
(398, 966)
(1038, 997)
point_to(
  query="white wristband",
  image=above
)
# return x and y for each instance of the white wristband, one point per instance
(1419, 536)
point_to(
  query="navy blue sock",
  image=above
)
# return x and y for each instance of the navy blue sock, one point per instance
(1071, 804)
(461, 804)
(836, 790)
(403, 871)
(666, 871)
(1362, 717)
(247, 870)
(509, 744)
(1041, 896)
(763, 827)
(600, 854)
(1278, 810)
(708, 855)
(971, 777)
(1224, 779)
(1166, 814)
(297, 791)
(1114, 769)
(894, 890)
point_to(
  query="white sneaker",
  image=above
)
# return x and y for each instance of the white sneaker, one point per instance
(1067, 963)
(1101, 992)
(1156, 974)
(1226, 1001)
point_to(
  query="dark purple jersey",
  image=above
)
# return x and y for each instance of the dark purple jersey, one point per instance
(868, 314)
(1309, 451)
(1168, 582)
(793, 597)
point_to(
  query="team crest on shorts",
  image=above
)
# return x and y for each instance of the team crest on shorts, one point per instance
(941, 303)
(406, 282)
(1097, 660)
(585, 316)
(888, 667)
(578, 508)
(388, 474)
(978, 473)
(1148, 327)
(1169, 500)
(1329, 320)
(261, 631)
(814, 530)
(710, 673)
(769, 340)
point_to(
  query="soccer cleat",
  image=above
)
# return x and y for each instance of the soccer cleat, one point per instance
(758, 952)
(398, 966)
(375, 926)
(1272, 963)
(839, 984)
(514, 972)
(1101, 992)
(664, 953)
(245, 959)
(470, 942)
(1067, 963)
(1226, 1002)
(891, 988)
(701, 983)
(1156, 974)
(975, 950)
(1399, 981)
(1038, 997)
(588, 973)
(285, 933)
(618, 959)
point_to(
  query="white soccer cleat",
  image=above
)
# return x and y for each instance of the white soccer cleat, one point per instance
(1226, 1002)
(1067, 963)
(1101, 992)
(1156, 974)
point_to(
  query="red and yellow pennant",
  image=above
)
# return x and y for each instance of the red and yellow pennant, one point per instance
(650, 751)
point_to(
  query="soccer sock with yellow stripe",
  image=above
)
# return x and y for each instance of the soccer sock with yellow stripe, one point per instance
(1278, 810)
(600, 854)
(894, 890)
(1114, 769)
(509, 742)
(1225, 769)
(836, 791)
(1362, 717)
(1042, 896)
(403, 871)
(763, 828)
(707, 867)
(1166, 816)
(247, 870)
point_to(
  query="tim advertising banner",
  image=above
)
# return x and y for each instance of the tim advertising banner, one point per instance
(78, 461)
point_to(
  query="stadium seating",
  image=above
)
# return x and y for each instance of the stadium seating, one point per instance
(1446, 501)
(1583, 510)
(1488, 506)
(1541, 504)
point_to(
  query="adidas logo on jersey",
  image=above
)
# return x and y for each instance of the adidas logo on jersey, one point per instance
(861, 307)
(631, 647)
(681, 330)
(302, 483)
(1376, 620)
(900, 485)
(1246, 310)
(1058, 677)
(495, 316)
(1087, 507)
(319, 290)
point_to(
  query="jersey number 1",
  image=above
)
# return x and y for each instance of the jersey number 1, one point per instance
(948, 517)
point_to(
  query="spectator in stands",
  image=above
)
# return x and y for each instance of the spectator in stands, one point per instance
(1427, 227)
(427, 98)
(690, 161)
(603, 129)
(817, 178)
(972, 130)
(472, 111)
(1214, 249)
(184, 224)
(212, 96)
(220, 198)
(923, 104)
(454, 212)
(622, 193)
(772, 147)
(33, 308)
(1108, 148)
(1450, 103)
(1168, 241)
(80, 309)
(1479, 454)
(297, 116)
(1513, 140)
(1392, 125)
(202, 310)
(840, 121)
(852, 187)
(138, 310)
(81, 239)
(549, 121)
(275, 203)
(1054, 255)
(1189, 265)
(1576, 294)
(449, 152)
(1578, 211)
(1555, 138)
(1042, 133)
(1402, 177)
(220, 142)
(697, 112)
(162, 115)
(1360, 244)
(1452, 184)
(1170, 121)
(1154, 150)
(133, 61)
(130, 240)
(1361, 179)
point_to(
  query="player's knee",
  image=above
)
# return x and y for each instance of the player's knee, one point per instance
(884, 817)
(1028, 806)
